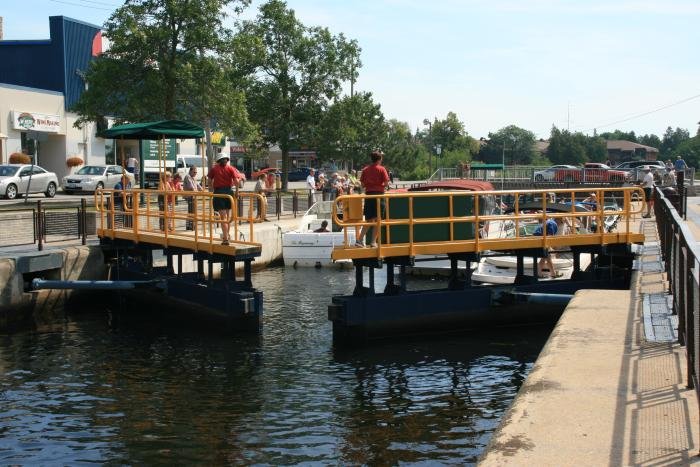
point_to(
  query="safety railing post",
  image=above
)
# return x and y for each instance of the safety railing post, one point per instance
(40, 225)
(278, 204)
(295, 202)
(83, 221)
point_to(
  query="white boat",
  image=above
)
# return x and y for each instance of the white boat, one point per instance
(305, 248)
(502, 269)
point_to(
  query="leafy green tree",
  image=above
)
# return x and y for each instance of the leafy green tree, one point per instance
(689, 150)
(300, 70)
(619, 135)
(350, 129)
(650, 140)
(519, 146)
(564, 148)
(456, 146)
(672, 140)
(403, 154)
(595, 147)
(168, 59)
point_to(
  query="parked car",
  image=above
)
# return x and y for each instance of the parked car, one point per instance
(628, 165)
(591, 172)
(548, 174)
(18, 179)
(635, 169)
(300, 174)
(94, 177)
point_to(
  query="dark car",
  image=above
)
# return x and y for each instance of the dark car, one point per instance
(299, 175)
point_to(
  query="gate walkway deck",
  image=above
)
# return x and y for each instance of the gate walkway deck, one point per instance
(442, 222)
(607, 394)
(154, 218)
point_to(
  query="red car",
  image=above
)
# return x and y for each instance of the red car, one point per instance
(264, 171)
(591, 172)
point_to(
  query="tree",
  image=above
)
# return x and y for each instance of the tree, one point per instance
(564, 148)
(689, 150)
(519, 146)
(456, 146)
(301, 69)
(168, 59)
(650, 140)
(350, 129)
(619, 135)
(403, 154)
(671, 140)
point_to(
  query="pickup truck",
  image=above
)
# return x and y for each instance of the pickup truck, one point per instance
(591, 172)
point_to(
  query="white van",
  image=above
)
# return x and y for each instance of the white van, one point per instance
(185, 161)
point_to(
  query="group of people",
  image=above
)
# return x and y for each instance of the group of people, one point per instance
(333, 186)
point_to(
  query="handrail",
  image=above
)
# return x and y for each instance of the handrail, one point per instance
(681, 257)
(386, 247)
(149, 212)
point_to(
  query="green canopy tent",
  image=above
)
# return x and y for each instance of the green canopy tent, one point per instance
(159, 130)
(155, 130)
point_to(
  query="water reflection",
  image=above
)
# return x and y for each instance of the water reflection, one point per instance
(138, 392)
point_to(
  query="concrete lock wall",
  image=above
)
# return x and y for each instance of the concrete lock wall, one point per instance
(20, 305)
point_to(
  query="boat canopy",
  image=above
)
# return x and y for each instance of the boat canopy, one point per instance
(155, 130)
(455, 184)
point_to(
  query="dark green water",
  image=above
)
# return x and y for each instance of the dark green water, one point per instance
(97, 388)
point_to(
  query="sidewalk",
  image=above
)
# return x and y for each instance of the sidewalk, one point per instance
(609, 388)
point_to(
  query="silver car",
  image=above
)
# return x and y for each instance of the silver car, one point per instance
(94, 177)
(549, 174)
(18, 179)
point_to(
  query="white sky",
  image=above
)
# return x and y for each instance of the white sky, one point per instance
(580, 64)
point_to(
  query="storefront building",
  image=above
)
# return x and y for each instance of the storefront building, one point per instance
(40, 80)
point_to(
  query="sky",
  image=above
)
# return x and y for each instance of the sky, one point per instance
(581, 65)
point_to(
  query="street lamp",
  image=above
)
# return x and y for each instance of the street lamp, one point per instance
(430, 153)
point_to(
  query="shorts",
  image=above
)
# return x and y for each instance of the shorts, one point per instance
(649, 194)
(130, 169)
(370, 208)
(221, 204)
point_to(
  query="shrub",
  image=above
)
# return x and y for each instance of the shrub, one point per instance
(19, 158)
(74, 161)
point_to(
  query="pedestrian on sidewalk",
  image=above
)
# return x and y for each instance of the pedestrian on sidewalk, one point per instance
(648, 186)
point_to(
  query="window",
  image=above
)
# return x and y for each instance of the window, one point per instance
(25, 172)
(38, 170)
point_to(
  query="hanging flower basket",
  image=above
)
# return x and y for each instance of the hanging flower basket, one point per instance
(19, 158)
(74, 161)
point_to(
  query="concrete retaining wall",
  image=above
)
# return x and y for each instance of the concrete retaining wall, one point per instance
(19, 306)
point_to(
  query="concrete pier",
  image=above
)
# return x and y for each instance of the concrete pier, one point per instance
(609, 387)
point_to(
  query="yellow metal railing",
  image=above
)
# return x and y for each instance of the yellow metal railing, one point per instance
(184, 219)
(520, 210)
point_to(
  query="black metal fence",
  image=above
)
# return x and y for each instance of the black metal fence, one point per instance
(682, 262)
(42, 224)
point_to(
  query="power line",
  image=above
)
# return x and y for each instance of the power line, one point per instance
(85, 5)
(632, 117)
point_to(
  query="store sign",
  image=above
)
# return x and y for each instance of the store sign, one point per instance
(29, 121)
(156, 153)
